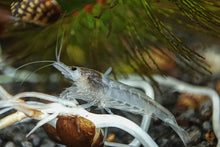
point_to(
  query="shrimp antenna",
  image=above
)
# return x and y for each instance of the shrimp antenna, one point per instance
(34, 62)
(58, 52)
(108, 71)
(56, 49)
(35, 72)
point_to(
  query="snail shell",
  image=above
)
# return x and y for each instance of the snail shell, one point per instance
(75, 132)
(40, 12)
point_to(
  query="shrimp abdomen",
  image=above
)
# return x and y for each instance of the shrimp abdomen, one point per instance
(123, 97)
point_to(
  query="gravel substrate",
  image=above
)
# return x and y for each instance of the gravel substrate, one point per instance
(197, 122)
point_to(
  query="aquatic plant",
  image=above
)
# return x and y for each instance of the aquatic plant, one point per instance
(124, 33)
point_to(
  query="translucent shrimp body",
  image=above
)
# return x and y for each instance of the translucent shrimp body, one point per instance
(97, 89)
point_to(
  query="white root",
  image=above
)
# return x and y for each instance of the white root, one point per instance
(11, 119)
(46, 119)
(114, 144)
(44, 97)
(49, 112)
(130, 127)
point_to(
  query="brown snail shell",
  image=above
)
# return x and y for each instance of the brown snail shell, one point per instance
(75, 132)
(40, 12)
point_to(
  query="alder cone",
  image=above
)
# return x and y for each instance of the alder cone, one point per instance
(39, 12)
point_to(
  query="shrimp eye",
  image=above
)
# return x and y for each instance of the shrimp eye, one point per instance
(73, 68)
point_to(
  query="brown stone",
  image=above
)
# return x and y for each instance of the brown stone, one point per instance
(194, 101)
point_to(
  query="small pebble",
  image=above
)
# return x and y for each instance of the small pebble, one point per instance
(206, 125)
(19, 137)
(9, 144)
(205, 111)
(195, 134)
(187, 114)
(163, 142)
(6, 133)
(26, 144)
(206, 144)
(34, 139)
(47, 143)
(190, 116)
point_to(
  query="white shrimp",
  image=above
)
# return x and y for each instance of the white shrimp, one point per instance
(97, 89)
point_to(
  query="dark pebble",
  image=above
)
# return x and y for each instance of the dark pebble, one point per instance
(47, 143)
(6, 133)
(163, 142)
(205, 144)
(19, 137)
(26, 144)
(34, 139)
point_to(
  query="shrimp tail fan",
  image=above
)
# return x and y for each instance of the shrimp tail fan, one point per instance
(169, 119)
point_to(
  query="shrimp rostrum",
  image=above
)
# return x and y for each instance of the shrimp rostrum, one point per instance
(97, 89)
